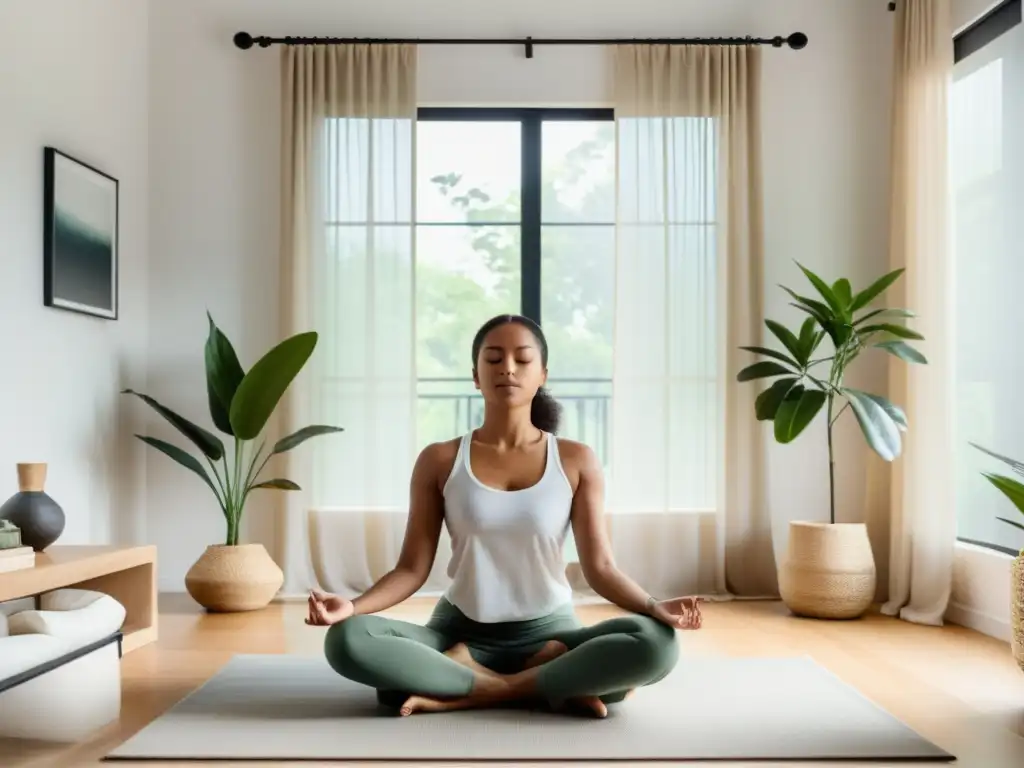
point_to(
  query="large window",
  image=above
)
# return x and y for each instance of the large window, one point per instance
(987, 175)
(515, 212)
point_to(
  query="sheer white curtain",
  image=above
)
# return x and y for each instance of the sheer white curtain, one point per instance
(685, 487)
(348, 271)
(923, 517)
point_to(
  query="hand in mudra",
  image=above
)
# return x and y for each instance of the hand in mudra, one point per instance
(679, 612)
(326, 609)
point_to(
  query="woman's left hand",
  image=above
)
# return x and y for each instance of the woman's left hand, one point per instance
(679, 612)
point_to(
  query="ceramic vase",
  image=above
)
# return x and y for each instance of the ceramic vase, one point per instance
(40, 518)
(829, 570)
(229, 578)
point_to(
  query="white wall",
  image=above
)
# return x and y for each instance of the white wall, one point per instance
(966, 12)
(77, 81)
(214, 181)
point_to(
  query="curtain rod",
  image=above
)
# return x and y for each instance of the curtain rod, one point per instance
(796, 41)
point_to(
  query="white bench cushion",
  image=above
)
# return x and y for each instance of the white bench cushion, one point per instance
(78, 616)
(21, 653)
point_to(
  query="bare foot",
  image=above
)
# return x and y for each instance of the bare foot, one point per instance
(460, 653)
(415, 704)
(588, 704)
(552, 650)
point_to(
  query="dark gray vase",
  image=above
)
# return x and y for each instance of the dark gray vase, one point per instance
(39, 517)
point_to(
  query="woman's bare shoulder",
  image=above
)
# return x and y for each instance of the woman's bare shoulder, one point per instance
(577, 458)
(436, 460)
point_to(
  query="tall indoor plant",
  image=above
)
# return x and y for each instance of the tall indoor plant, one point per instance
(829, 571)
(234, 576)
(1014, 491)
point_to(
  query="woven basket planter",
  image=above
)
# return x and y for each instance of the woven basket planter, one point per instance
(828, 571)
(1017, 611)
(227, 578)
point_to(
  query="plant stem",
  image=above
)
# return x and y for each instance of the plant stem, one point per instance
(239, 491)
(222, 497)
(836, 418)
(831, 466)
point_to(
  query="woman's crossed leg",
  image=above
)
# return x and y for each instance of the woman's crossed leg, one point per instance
(419, 668)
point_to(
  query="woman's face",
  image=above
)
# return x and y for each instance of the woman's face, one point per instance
(509, 369)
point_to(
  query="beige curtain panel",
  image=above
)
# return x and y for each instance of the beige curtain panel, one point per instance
(686, 488)
(347, 271)
(923, 514)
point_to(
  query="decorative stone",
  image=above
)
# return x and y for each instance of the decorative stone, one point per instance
(10, 535)
(39, 518)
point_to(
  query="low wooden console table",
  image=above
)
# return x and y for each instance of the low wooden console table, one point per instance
(128, 574)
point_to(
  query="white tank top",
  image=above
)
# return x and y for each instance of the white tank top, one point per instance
(507, 546)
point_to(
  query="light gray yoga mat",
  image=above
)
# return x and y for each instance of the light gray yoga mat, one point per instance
(296, 708)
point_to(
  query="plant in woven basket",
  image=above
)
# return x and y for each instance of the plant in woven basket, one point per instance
(241, 403)
(804, 383)
(1009, 487)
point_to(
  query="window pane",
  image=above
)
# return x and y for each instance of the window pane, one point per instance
(986, 167)
(467, 171)
(464, 276)
(577, 296)
(578, 171)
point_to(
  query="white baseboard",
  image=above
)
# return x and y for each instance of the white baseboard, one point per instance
(979, 621)
(982, 591)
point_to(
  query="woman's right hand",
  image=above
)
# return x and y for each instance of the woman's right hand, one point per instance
(326, 609)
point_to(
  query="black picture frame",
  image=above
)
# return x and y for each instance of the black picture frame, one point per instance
(81, 237)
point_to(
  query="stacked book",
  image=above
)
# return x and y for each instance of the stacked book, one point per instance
(13, 555)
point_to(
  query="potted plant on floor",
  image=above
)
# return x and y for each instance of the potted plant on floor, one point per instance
(829, 568)
(1014, 491)
(233, 576)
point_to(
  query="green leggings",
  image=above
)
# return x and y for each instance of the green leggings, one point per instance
(399, 659)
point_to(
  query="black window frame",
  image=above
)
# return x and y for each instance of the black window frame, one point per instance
(996, 22)
(531, 121)
(999, 20)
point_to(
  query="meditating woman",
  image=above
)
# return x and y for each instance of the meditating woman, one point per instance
(506, 631)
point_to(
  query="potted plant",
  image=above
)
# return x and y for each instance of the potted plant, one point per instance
(233, 576)
(1014, 491)
(829, 568)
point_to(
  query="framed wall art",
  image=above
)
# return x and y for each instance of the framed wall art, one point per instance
(81, 247)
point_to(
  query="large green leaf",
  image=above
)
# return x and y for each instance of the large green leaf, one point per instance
(1011, 489)
(843, 292)
(184, 458)
(880, 431)
(223, 375)
(826, 292)
(762, 370)
(894, 412)
(1015, 465)
(768, 402)
(1014, 523)
(903, 351)
(786, 336)
(808, 338)
(208, 443)
(302, 435)
(874, 290)
(279, 484)
(772, 354)
(265, 383)
(797, 410)
(896, 330)
(885, 312)
(821, 312)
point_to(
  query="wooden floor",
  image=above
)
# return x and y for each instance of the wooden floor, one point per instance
(958, 688)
